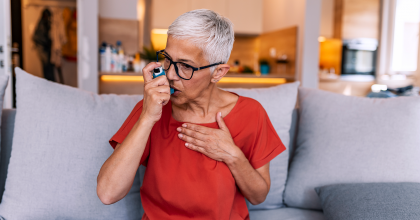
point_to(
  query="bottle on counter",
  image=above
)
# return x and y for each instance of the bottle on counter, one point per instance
(107, 58)
(102, 57)
(137, 63)
(130, 67)
(120, 57)
(114, 60)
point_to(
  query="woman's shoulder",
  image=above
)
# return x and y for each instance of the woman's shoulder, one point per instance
(250, 103)
(249, 107)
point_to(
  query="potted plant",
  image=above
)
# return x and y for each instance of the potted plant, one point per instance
(264, 67)
(149, 54)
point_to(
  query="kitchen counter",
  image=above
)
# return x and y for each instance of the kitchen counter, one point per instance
(132, 83)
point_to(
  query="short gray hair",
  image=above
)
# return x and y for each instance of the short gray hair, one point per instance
(208, 30)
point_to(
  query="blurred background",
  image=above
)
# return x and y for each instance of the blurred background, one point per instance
(353, 47)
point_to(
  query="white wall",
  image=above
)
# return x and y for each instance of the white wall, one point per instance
(5, 55)
(305, 14)
(87, 45)
(118, 9)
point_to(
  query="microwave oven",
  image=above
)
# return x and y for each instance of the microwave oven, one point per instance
(359, 56)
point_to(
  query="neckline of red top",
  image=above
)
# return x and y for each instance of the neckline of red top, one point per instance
(210, 123)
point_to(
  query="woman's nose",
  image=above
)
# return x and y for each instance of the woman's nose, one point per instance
(171, 74)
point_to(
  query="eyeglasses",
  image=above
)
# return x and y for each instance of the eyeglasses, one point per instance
(183, 70)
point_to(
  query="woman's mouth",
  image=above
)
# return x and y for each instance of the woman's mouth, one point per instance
(176, 91)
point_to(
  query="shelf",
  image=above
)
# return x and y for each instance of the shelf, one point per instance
(229, 78)
(241, 75)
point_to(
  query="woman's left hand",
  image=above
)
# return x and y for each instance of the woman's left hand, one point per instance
(214, 143)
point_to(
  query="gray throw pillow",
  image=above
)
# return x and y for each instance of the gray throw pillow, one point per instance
(4, 79)
(344, 139)
(371, 201)
(59, 145)
(279, 102)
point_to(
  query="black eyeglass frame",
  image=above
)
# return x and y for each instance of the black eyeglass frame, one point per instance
(176, 67)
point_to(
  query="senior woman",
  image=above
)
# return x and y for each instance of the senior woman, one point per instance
(204, 148)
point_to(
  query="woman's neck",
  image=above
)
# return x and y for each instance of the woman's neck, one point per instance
(203, 109)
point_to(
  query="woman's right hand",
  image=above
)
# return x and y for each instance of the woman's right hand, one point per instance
(156, 93)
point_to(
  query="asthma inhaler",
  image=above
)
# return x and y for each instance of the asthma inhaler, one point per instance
(158, 72)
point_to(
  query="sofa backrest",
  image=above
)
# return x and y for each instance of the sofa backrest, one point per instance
(8, 124)
(293, 133)
(7, 128)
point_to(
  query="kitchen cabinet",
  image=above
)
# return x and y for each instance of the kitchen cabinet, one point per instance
(218, 6)
(246, 15)
(357, 19)
(164, 12)
(361, 19)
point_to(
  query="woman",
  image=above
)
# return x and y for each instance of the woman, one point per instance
(204, 149)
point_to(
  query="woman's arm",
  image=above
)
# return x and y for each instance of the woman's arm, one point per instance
(117, 173)
(253, 183)
(218, 145)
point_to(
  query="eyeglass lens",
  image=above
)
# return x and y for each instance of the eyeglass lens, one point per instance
(184, 71)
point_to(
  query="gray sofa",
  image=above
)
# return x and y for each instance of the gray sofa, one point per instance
(337, 146)
(287, 213)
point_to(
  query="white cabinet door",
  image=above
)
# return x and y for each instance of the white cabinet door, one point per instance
(219, 6)
(246, 16)
(5, 50)
(164, 12)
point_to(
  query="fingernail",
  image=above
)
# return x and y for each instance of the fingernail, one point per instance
(180, 135)
(220, 114)
(184, 125)
(186, 144)
(178, 129)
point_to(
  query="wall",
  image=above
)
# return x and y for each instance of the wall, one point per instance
(284, 42)
(118, 9)
(280, 14)
(245, 50)
(327, 19)
(122, 20)
(5, 36)
(305, 14)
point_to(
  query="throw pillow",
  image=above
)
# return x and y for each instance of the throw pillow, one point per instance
(279, 102)
(344, 139)
(373, 201)
(60, 143)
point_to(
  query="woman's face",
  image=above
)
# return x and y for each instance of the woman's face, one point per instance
(186, 52)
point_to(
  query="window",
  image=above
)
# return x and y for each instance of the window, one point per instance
(399, 40)
(405, 42)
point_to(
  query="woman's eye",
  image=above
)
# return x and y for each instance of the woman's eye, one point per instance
(184, 66)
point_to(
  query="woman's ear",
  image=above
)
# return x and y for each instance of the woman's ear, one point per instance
(219, 72)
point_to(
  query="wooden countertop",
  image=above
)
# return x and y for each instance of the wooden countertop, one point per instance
(241, 75)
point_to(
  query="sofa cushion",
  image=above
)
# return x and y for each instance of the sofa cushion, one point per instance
(279, 103)
(60, 143)
(344, 139)
(286, 214)
(373, 201)
(4, 80)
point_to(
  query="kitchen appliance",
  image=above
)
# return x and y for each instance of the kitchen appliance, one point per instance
(359, 58)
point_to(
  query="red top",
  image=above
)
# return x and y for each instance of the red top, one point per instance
(180, 183)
